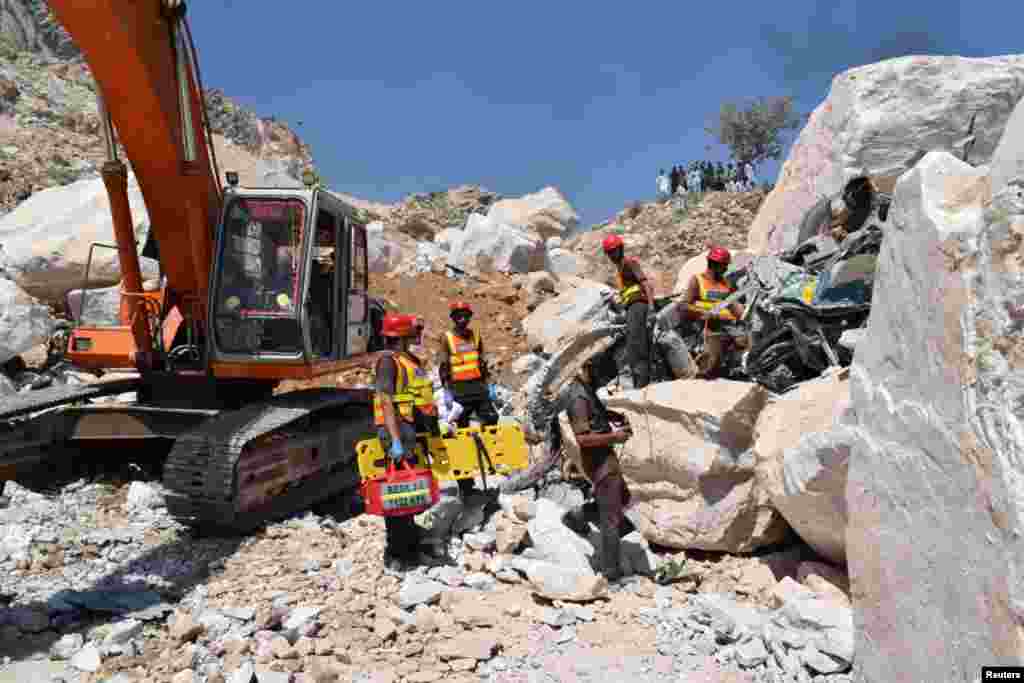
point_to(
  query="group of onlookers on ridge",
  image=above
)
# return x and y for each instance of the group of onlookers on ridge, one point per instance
(705, 176)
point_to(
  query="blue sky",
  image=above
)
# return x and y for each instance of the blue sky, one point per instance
(592, 98)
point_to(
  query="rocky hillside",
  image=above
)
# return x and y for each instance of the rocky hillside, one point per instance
(49, 127)
(28, 25)
(423, 215)
(665, 235)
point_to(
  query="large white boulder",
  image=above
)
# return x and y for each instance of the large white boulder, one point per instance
(545, 213)
(24, 321)
(429, 258)
(45, 240)
(802, 458)
(446, 239)
(563, 262)
(691, 468)
(488, 246)
(554, 542)
(581, 303)
(934, 497)
(102, 306)
(1008, 161)
(876, 118)
(383, 253)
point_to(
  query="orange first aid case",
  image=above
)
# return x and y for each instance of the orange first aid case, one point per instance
(401, 491)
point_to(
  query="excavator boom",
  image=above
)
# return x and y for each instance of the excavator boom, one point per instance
(262, 284)
(141, 57)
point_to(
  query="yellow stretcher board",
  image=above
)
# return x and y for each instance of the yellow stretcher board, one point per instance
(456, 457)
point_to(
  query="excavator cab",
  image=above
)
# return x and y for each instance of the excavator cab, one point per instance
(289, 284)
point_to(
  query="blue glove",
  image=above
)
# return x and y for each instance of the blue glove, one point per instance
(397, 451)
(492, 393)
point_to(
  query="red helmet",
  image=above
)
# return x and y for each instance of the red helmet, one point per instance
(611, 243)
(460, 306)
(396, 325)
(720, 255)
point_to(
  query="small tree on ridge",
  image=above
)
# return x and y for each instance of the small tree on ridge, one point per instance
(753, 130)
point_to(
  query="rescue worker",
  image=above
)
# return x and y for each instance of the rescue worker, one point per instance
(705, 291)
(462, 368)
(592, 429)
(403, 405)
(635, 295)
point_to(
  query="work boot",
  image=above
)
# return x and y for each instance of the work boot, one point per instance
(641, 375)
(466, 487)
(626, 379)
(610, 547)
(626, 528)
(399, 560)
(576, 520)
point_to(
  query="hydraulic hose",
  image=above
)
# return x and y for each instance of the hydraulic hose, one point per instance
(202, 102)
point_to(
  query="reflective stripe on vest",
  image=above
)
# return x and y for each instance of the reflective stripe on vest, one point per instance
(628, 295)
(464, 357)
(414, 392)
(712, 293)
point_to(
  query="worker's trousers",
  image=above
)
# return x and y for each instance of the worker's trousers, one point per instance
(402, 533)
(480, 406)
(483, 408)
(638, 344)
(611, 496)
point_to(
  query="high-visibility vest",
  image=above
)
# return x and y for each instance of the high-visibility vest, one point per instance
(414, 392)
(628, 293)
(712, 293)
(464, 356)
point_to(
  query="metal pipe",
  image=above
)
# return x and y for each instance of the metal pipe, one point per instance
(107, 128)
(204, 111)
(115, 178)
(188, 139)
(85, 279)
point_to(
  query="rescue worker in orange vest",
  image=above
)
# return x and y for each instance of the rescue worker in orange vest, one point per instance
(705, 291)
(403, 404)
(635, 295)
(463, 371)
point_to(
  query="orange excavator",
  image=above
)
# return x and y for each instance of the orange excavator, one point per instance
(259, 285)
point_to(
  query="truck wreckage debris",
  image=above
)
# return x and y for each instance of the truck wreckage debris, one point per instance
(804, 311)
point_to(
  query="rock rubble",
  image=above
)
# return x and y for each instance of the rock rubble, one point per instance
(100, 585)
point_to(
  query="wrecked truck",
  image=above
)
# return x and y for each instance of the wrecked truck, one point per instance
(797, 311)
(804, 310)
(799, 305)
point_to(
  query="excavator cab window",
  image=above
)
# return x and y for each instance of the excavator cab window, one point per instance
(258, 287)
(322, 311)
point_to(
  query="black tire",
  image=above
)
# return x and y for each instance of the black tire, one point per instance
(773, 368)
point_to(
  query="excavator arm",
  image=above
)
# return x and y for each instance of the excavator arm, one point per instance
(141, 56)
(289, 300)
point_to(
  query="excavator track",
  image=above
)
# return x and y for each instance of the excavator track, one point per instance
(244, 468)
(35, 401)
